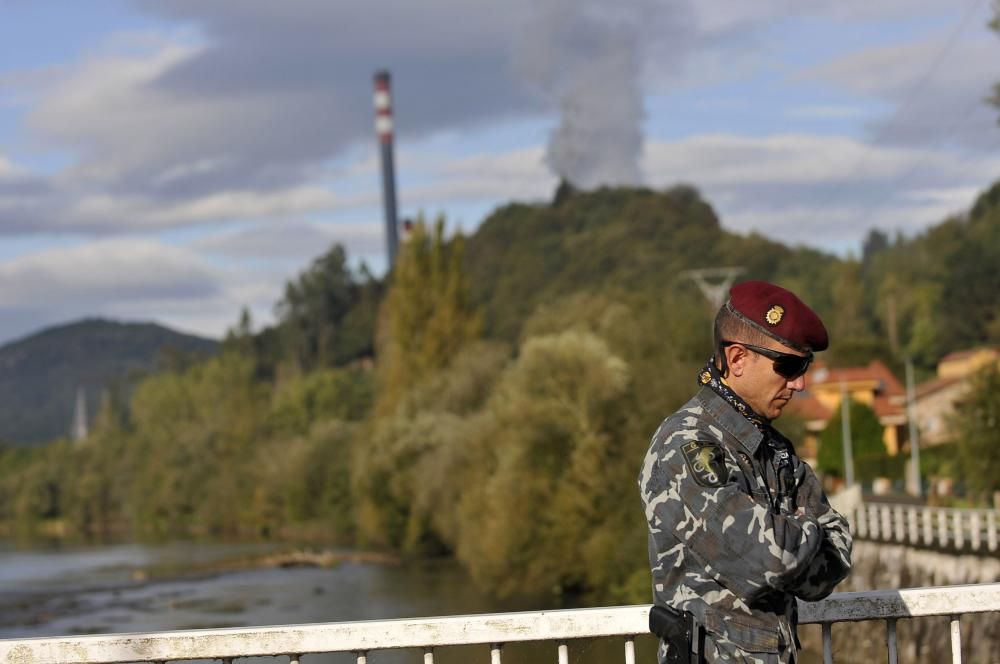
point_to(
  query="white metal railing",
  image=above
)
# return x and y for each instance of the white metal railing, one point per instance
(492, 630)
(974, 529)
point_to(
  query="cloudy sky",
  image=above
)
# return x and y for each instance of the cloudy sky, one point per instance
(176, 160)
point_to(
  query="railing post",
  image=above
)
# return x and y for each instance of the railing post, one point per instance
(899, 531)
(991, 530)
(362, 657)
(428, 655)
(861, 521)
(875, 523)
(886, 526)
(956, 640)
(959, 533)
(942, 528)
(914, 531)
(495, 651)
(294, 659)
(974, 527)
(890, 640)
(629, 650)
(827, 643)
(563, 653)
(927, 516)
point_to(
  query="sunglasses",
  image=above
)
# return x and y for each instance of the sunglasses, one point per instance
(786, 365)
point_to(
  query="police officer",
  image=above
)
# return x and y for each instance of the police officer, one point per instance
(739, 526)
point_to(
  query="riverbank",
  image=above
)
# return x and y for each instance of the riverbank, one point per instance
(82, 590)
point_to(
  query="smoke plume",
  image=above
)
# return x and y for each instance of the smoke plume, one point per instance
(584, 57)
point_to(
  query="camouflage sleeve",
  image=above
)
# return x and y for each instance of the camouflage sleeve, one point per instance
(734, 537)
(832, 563)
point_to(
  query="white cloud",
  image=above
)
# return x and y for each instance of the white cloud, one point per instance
(106, 108)
(132, 279)
(824, 112)
(103, 211)
(802, 159)
(820, 191)
(296, 241)
(516, 174)
(735, 18)
(93, 274)
(936, 88)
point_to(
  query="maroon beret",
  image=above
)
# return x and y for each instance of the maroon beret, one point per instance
(780, 314)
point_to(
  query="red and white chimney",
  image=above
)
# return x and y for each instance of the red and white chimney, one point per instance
(384, 130)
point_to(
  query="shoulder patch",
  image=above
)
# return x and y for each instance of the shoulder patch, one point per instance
(707, 462)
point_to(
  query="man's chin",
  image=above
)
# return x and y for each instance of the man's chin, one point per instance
(776, 407)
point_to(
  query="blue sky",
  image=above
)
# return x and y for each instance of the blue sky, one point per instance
(174, 160)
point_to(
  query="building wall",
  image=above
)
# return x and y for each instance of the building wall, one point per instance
(933, 411)
(829, 393)
(967, 364)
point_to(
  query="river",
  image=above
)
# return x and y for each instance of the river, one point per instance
(138, 588)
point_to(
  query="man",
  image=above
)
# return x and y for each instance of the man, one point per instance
(739, 526)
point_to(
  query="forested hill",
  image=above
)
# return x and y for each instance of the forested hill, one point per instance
(40, 374)
(620, 241)
(922, 296)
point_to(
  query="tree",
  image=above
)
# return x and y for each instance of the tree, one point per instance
(427, 317)
(549, 445)
(977, 429)
(875, 243)
(867, 447)
(327, 315)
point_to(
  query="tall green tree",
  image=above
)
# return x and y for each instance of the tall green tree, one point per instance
(977, 431)
(194, 431)
(549, 446)
(426, 317)
(327, 315)
(870, 455)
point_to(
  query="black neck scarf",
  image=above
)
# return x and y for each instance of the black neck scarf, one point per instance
(778, 445)
(710, 376)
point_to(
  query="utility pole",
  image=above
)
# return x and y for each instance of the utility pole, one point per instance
(845, 419)
(913, 477)
(715, 290)
(891, 324)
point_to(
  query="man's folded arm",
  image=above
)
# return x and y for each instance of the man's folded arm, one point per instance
(740, 542)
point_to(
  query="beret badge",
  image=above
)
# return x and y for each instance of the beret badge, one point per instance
(774, 314)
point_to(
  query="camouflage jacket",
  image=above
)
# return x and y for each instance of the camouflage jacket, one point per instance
(732, 541)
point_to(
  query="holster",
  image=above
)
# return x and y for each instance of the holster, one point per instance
(680, 630)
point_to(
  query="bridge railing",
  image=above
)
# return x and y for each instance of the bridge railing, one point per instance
(490, 630)
(947, 528)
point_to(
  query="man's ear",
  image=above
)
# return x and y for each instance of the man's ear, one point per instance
(736, 358)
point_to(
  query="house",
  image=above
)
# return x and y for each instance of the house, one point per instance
(873, 385)
(936, 398)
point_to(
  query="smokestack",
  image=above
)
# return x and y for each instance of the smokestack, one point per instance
(383, 127)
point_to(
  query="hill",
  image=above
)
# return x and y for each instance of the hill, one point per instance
(620, 241)
(40, 374)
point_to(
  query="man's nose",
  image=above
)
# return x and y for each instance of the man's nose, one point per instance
(797, 384)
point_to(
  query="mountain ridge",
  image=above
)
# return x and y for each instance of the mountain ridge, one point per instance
(41, 372)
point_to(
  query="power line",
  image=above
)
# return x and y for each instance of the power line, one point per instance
(915, 168)
(917, 87)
